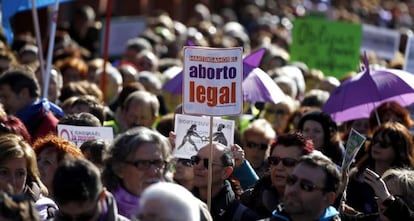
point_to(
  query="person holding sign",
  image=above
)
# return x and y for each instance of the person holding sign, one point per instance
(224, 204)
(390, 147)
(395, 191)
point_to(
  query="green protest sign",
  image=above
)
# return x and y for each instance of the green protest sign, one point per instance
(332, 47)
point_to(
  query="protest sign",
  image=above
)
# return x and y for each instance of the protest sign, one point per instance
(120, 31)
(383, 42)
(79, 134)
(409, 55)
(354, 143)
(212, 81)
(332, 47)
(192, 133)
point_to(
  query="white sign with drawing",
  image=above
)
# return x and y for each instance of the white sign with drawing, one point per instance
(192, 133)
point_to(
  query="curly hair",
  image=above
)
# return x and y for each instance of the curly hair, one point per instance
(62, 146)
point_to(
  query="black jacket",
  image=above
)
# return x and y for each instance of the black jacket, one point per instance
(262, 198)
(225, 206)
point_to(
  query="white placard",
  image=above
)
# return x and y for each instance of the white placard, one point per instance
(193, 132)
(121, 30)
(384, 42)
(409, 55)
(79, 134)
(212, 81)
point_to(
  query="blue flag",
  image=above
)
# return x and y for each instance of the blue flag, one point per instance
(11, 7)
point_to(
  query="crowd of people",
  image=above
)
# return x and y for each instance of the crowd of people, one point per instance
(285, 160)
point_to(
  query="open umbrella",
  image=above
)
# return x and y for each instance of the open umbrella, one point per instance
(258, 86)
(358, 96)
(175, 84)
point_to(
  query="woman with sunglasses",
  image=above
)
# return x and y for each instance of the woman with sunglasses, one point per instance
(285, 152)
(391, 147)
(257, 138)
(20, 175)
(183, 173)
(137, 158)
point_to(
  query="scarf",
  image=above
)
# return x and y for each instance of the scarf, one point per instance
(128, 204)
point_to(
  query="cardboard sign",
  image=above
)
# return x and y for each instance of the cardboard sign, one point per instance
(212, 81)
(384, 42)
(193, 132)
(332, 47)
(79, 134)
(354, 143)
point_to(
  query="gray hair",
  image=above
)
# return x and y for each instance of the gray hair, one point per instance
(405, 180)
(126, 144)
(175, 202)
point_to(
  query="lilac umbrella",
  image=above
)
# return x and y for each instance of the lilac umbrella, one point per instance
(358, 96)
(175, 85)
(258, 86)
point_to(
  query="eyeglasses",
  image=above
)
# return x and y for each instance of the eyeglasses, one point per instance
(146, 164)
(287, 162)
(196, 159)
(253, 145)
(383, 144)
(304, 184)
(185, 162)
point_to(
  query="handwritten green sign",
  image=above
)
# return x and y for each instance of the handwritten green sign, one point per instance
(332, 47)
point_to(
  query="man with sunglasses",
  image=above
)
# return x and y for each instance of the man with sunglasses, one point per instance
(224, 204)
(267, 193)
(79, 193)
(310, 191)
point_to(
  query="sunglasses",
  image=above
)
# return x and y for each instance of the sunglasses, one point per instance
(146, 164)
(304, 184)
(185, 162)
(382, 144)
(253, 145)
(287, 162)
(195, 160)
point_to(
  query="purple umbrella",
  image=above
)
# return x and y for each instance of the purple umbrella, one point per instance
(358, 96)
(175, 85)
(258, 86)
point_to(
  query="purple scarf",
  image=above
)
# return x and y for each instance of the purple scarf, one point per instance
(128, 204)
